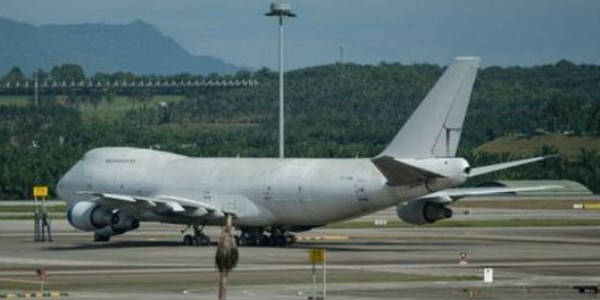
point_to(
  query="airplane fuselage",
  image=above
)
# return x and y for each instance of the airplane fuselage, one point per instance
(262, 191)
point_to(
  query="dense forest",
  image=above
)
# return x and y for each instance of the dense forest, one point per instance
(337, 110)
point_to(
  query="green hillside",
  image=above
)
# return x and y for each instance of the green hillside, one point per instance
(569, 146)
(337, 110)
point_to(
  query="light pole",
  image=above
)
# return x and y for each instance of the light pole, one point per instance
(280, 10)
(35, 88)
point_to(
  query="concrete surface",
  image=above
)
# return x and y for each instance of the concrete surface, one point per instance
(374, 263)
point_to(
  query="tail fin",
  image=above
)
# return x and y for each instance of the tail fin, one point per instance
(434, 129)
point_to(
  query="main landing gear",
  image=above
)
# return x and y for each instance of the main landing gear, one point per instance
(198, 239)
(257, 237)
(249, 237)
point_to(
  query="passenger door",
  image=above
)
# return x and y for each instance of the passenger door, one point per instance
(362, 196)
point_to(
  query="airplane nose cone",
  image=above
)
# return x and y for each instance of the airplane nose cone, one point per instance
(60, 189)
(64, 185)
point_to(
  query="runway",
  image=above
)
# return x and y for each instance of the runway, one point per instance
(373, 263)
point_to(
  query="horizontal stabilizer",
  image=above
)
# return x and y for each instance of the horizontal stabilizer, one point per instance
(501, 166)
(399, 173)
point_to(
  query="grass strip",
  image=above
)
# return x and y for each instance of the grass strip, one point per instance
(30, 208)
(476, 223)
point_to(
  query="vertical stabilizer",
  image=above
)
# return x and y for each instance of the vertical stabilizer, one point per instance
(434, 129)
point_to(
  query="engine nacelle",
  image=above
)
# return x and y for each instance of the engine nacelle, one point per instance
(89, 216)
(123, 222)
(422, 211)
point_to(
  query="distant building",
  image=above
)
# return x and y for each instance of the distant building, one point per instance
(564, 187)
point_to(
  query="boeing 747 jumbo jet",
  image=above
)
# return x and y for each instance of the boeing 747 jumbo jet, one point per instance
(111, 190)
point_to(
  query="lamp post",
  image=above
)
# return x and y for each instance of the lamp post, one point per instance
(280, 10)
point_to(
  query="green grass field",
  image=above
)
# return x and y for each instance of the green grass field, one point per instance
(569, 146)
(31, 208)
(104, 111)
(120, 105)
(19, 100)
(475, 223)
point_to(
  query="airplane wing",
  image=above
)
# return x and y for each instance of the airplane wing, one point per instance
(159, 204)
(451, 195)
(399, 173)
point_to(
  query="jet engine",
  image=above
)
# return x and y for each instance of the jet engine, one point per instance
(423, 211)
(123, 222)
(89, 216)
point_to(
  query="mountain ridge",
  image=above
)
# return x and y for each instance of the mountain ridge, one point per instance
(137, 47)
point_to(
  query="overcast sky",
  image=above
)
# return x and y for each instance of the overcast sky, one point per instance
(503, 32)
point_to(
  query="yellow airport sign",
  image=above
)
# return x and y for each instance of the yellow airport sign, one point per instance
(40, 191)
(591, 206)
(316, 255)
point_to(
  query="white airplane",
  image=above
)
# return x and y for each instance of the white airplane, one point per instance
(111, 190)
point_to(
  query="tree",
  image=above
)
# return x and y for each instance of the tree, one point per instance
(243, 74)
(68, 73)
(41, 75)
(14, 75)
(72, 99)
(94, 97)
(142, 95)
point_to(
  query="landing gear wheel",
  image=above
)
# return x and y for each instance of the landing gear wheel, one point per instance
(279, 241)
(255, 238)
(281, 238)
(264, 240)
(101, 238)
(250, 240)
(278, 237)
(201, 240)
(188, 240)
(290, 239)
(198, 238)
(242, 240)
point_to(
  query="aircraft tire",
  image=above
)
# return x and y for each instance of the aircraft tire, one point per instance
(242, 241)
(265, 240)
(280, 241)
(253, 241)
(202, 240)
(101, 238)
(290, 239)
(188, 240)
